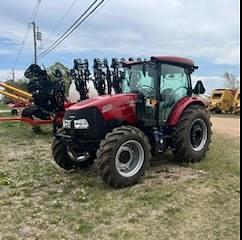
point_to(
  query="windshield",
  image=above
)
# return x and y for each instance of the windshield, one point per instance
(140, 78)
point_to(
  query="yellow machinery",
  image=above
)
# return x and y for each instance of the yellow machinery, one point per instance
(222, 101)
(21, 99)
(237, 102)
(18, 96)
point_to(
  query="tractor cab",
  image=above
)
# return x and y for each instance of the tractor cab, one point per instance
(160, 84)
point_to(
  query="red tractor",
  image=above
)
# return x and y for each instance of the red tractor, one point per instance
(158, 110)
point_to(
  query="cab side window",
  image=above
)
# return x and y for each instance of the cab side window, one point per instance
(174, 86)
(174, 78)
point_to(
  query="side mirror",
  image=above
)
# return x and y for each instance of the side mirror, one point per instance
(199, 88)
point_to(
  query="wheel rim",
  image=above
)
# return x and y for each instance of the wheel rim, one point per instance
(199, 135)
(129, 158)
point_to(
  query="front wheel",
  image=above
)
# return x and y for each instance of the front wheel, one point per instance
(123, 157)
(193, 135)
(64, 157)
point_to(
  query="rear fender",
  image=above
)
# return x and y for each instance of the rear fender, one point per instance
(180, 107)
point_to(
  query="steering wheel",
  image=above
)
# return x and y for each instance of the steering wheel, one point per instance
(149, 90)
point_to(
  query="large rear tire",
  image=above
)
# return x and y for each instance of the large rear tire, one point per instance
(123, 157)
(64, 160)
(193, 135)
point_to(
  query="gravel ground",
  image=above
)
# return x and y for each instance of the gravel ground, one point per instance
(230, 126)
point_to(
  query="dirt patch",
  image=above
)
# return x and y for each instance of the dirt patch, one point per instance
(228, 126)
(173, 174)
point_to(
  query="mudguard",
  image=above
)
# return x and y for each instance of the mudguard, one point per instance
(183, 104)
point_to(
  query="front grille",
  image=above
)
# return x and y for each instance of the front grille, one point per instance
(97, 129)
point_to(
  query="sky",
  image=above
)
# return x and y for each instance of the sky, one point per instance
(207, 31)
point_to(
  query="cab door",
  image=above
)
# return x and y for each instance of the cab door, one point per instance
(175, 84)
(142, 79)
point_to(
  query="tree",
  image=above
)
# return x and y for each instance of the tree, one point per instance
(59, 66)
(231, 81)
(65, 71)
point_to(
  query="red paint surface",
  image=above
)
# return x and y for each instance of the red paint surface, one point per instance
(35, 122)
(167, 59)
(68, 104)
(27, 120)
(171, 59)
(181, 106)
(121, 107)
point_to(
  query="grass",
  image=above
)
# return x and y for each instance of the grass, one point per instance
(40, 201)
(3, 106)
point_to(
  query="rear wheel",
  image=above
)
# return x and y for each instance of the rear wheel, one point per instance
(65, 159)
(123, 157)
(193, 135)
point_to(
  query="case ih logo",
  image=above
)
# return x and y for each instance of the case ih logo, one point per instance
(107, 108)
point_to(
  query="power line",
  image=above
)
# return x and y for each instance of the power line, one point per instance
(36, 11)
(103, 6)
(32, 18)
(60, 22)
(74, 26)
(69, 29)
(22, 46)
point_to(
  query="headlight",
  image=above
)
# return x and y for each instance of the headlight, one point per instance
(81, 124)
(67, 124)
(76, 124)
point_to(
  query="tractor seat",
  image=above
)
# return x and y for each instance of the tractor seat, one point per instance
(167, 98)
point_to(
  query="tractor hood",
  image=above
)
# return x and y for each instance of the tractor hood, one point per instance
(121, 107)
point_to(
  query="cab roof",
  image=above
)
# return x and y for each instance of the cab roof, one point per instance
(184, 62)
(174, 60)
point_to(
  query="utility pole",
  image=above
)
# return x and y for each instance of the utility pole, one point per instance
(13, 74)
(35, 42)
